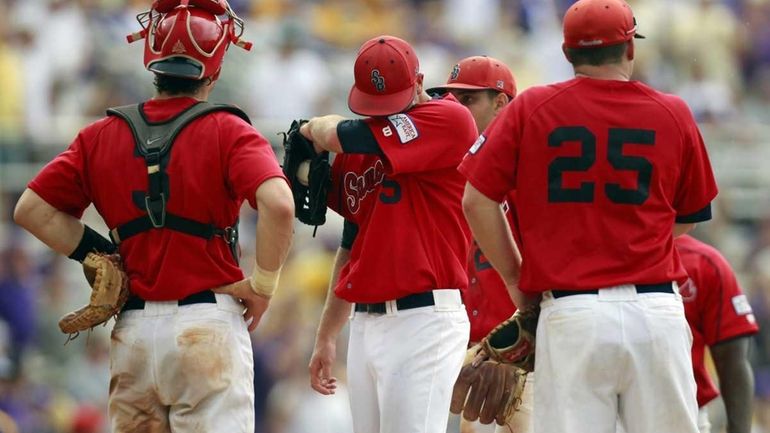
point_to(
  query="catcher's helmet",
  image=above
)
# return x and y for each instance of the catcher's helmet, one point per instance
(186, 38)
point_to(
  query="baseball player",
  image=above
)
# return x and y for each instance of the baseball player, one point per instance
(404, 247)
(486, 85)
(721, 318)
(180, 352)
(607, 171)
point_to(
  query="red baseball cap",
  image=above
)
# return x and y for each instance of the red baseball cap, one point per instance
(479, 73)
(599, 23)
(385, 73)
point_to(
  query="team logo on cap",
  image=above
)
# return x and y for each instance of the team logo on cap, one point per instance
(378, 80)
(500, 84)
(455, 72)
(178, 48)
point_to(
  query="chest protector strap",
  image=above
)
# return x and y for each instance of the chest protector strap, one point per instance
(153, 142)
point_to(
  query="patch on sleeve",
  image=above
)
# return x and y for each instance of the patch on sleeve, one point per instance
(741, 305)
(477, 145)
(404, 127)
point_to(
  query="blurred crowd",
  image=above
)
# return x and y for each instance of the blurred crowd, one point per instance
(62, 62)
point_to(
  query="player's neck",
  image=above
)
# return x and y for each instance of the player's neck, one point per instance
(201, 95)
(618, 72)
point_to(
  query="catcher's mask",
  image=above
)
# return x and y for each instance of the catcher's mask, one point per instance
(187, 38)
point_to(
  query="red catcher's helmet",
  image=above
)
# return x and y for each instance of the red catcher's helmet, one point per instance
(186, 38)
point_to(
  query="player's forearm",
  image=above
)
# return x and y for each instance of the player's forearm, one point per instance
(60, 231)
(491, 231)
(322, 131)
(275, 226)
(736, 383)
(336, 310)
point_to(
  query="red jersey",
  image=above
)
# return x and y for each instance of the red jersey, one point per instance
(412, 236)
(602, 169)
(216, 163)
(715, 306)
(487, 299)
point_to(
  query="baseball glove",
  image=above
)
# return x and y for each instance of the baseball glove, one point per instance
(109, 291)
(489, 392)
(310, 199)
(513, 341)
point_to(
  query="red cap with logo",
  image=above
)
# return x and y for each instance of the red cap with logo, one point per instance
(599, 23)
(480, 73)
(385, 73)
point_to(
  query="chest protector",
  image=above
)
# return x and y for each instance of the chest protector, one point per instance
(153, 141)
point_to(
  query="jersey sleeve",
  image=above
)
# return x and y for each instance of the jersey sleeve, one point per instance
(490, 164)
(62, 183)
(697, 187)
(250, 161)
(726, 310)
(432, 136)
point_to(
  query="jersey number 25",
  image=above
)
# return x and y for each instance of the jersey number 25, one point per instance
(585, 193)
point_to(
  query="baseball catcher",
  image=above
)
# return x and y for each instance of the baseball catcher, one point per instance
(109, 292)
(309, 175)
(489, 391)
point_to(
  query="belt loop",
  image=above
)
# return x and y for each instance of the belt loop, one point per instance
(391, 308)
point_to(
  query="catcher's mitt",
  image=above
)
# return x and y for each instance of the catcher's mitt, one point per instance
(513, 341)
(310, 199)
(109, 284)
(488, 392)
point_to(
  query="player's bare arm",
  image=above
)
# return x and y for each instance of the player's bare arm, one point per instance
(60, 231)
(682, 228)
(493, 234)
(736, 382)
(335, 315)
(322, 131)
(274, 233)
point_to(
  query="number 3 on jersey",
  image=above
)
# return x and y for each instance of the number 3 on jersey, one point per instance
(616, 139)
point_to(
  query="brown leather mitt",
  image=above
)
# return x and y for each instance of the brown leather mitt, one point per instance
(489, 392)
(109, 291)
(513, 341)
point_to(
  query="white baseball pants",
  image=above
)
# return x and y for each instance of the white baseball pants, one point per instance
(616, 356)
(402, 366)
(182, 369)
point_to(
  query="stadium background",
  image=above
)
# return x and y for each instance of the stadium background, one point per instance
(62, 62)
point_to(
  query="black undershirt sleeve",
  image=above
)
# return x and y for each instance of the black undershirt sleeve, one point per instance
(700, 216)
(356, 137)
(349, 233)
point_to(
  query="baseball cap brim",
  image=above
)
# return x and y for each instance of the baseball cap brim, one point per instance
(462, 86)
(366, 104)
(177, 67)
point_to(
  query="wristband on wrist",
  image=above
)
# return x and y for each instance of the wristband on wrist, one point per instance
(263, 282)
(92, 242)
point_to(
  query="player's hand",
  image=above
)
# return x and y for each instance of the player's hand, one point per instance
(254, 303)
(305, 131)
(320, 368)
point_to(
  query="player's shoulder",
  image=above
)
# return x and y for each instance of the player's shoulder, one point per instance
(690, 246)
(94, 129)
(535, 97)
(446, 104)
(442, 112)
(675, 104)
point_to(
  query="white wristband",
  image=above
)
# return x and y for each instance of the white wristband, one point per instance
(263, 282)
